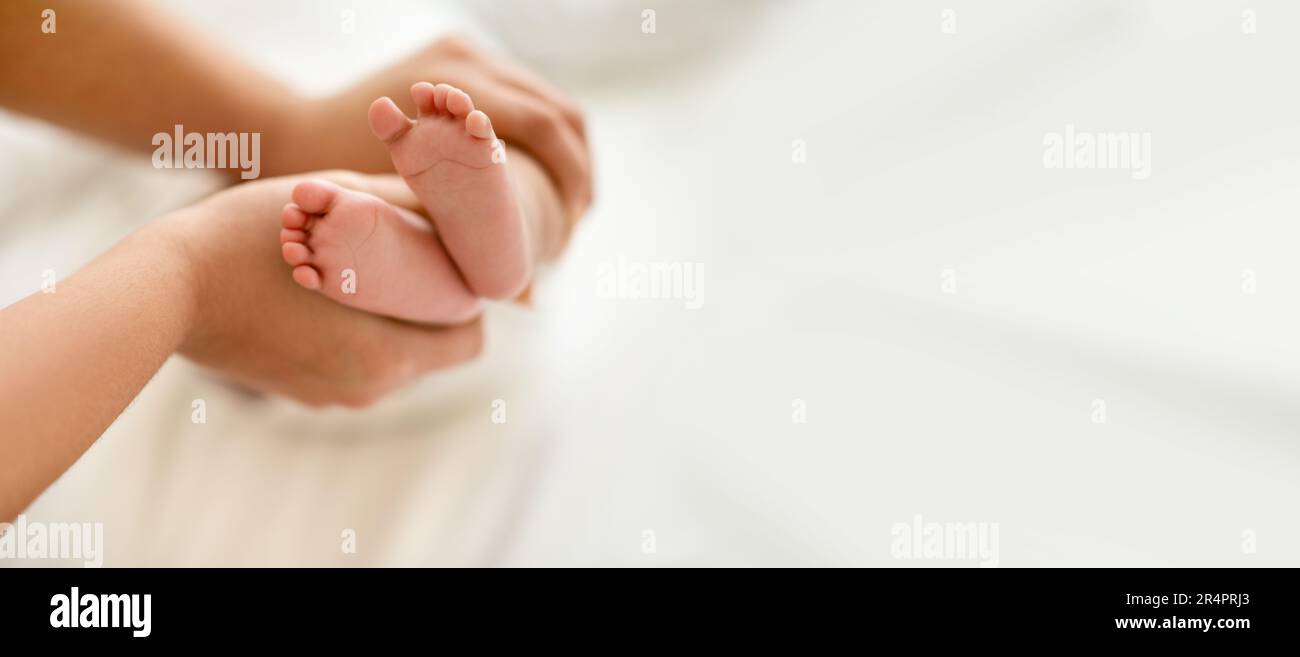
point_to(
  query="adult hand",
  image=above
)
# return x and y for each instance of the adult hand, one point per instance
(255, 325)
(526, 112)
(208, 281)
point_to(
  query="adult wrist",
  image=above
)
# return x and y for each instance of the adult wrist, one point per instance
(166, 251)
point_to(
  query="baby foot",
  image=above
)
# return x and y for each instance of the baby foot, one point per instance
(454, 163)
(363, 252)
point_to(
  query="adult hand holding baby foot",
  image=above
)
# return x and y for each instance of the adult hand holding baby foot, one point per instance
(207, 281)
(313, 350)
(204, 281)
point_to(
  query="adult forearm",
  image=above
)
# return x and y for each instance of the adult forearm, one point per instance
(125, 70)
(77, 355)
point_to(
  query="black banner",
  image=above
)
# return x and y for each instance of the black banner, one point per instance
(232, 607)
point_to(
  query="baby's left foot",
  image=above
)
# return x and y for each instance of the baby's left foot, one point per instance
(362, 251)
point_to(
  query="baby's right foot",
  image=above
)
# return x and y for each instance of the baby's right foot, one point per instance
(454, 163)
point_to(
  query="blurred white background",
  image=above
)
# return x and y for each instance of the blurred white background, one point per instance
(644, 433)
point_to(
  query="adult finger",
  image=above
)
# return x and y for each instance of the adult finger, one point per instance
(530, 83)
(540, 129)
(476, 60)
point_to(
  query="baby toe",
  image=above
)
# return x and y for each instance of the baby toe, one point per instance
(387, 120)
(459, 103)
(295, 253)
(315, 196)
(307, 277)
(479, 125)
